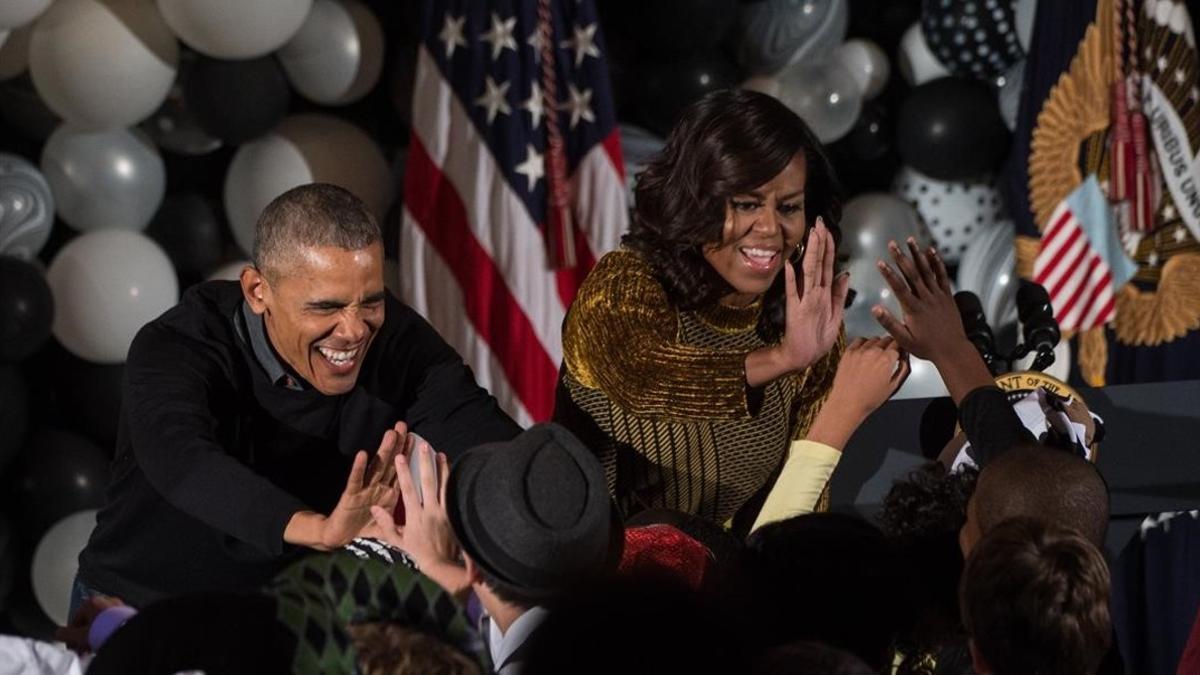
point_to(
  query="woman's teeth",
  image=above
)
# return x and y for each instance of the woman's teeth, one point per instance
(337, 358)
(761, 256)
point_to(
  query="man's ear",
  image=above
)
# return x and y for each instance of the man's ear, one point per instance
(255, 289)
(978, 664)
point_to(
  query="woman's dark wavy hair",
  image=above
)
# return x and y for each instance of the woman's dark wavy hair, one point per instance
(727, 143)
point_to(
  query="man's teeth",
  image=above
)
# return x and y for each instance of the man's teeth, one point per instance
(336, 357)
(759, 252)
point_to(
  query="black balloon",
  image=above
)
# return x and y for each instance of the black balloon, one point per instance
(26, 309)
(188, 229)
(882, 21)
(972, 38)
(866, 158)
(14, 414)
(235, 101)
(676, 26)
(668, 87)
(8, 560)
(951, 129)
(89, 398)
(58, 473)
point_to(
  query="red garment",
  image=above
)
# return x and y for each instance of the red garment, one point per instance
(662, 550)
(1189, 663)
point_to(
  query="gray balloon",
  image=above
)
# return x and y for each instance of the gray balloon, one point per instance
(776, 33)
(869, 222)
(26, 208)
(113, 179)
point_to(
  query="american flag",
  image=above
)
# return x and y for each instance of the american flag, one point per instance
(497, 235)
(1073, 270)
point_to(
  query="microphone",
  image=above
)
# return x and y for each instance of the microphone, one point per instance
(1039, 327)
(976, 327)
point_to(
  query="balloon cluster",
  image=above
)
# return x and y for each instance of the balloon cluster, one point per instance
(142, 138)
(916, 153)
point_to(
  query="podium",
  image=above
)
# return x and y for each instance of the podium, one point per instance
(1150, 455)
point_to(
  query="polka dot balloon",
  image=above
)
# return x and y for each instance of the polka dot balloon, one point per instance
(972, 38)
(955, 213)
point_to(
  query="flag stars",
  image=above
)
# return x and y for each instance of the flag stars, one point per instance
(494, 98)
(533, 168)
(580, 105)
(535, 105)
(1180, 235)
(538, 42)
(1162, 63)
(1168, 212)
(452, 34)
(1180, 76)
(500, 36)
(584, 43)
(1152, 259)
(1194, 94)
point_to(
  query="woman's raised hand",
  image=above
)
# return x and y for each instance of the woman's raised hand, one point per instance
(815, 305)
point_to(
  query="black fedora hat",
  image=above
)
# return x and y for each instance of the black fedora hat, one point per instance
(535, 512)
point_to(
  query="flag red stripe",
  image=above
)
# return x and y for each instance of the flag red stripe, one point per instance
(1053, 231)
(495, 314)
(1048, 269)
(1104, 282)
(1084, 284)
(1071, 266)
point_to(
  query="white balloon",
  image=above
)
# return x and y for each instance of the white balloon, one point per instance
(866, 63)
(304, 149)
(1008, 93)
(337, 55)
(107, 284)
(923, 381)
(988, 269)
(16, 13)
(916, 62)
(235, 29)
(229, 271)
(824, 95)
(955, 212)
(1025, 12)
(102, 65)
(56, 560)
(111, 179)
(260, 171)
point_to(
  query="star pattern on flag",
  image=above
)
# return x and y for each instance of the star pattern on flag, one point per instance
(534, 166)
(500, 37)
(452, 34)
(537, 42)
(579, 105)
(494, 99)
(534, 105)
(583, 43)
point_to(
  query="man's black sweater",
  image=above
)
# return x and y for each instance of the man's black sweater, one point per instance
(213, 458)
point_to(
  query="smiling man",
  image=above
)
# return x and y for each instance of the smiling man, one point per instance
(247, 406)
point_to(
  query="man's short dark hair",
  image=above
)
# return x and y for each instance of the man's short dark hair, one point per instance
(1045, 483)
(1035, 600)
(317, 214)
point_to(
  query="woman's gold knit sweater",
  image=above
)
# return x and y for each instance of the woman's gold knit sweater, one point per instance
(661, 395)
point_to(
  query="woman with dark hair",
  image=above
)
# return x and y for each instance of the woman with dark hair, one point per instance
(695, 353)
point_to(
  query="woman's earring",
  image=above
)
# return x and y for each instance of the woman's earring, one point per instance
(797, 253)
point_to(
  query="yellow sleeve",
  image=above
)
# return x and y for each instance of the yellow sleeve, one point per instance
(801, 482)
(620, 337)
